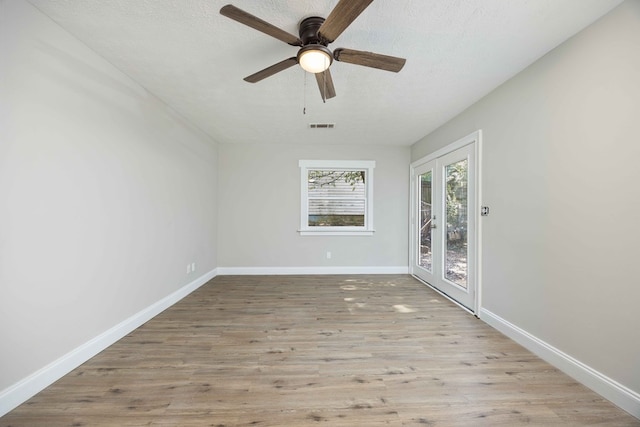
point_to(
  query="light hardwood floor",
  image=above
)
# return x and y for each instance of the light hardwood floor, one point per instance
(316, 350)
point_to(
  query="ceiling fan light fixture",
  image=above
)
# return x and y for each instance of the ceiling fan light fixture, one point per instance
(314, 58)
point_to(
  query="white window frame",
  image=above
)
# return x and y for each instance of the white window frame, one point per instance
(355, 165)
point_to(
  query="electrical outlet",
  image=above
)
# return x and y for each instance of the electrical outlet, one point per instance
(328, 255)
(188, 268)
(193, 266)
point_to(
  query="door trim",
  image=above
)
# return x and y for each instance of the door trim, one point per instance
(475, 137)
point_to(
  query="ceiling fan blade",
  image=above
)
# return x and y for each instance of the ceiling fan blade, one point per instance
(270, 71)
(325, 84)
(345, 12)
(369, 59)
(230, 11)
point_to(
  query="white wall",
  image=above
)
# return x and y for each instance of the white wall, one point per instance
(561, 176)
(260, 211)
(105, 195)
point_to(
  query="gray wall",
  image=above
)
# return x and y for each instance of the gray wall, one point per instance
(260, 208)
(105, 195)
(560, 174)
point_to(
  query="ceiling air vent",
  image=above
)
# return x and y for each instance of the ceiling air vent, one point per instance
(322, 125)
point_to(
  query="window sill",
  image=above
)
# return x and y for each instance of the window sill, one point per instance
(336, 233)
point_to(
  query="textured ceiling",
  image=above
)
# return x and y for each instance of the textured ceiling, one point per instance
(194, 59)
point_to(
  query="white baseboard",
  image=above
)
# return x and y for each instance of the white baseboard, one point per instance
(241, 271)
(26, 388)
(608, 388)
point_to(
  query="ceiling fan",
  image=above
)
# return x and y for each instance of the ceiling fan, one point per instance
(315, 35)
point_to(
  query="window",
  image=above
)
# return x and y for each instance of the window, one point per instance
(336, 197)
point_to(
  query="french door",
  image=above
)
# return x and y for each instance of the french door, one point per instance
(444, 231)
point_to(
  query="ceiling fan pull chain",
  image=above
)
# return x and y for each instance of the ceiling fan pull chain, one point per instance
(304, 96)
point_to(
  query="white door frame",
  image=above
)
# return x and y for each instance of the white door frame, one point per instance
(476, 139)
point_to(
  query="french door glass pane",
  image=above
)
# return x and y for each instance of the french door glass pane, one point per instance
(457, 179)
(426, 256)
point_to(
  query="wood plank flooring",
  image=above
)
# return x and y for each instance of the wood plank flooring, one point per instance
(316, 350)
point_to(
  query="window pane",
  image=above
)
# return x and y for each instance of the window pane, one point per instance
(336, 213)
(337, 198)
(337, 183)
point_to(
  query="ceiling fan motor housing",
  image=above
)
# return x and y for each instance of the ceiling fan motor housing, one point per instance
(309, 31)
